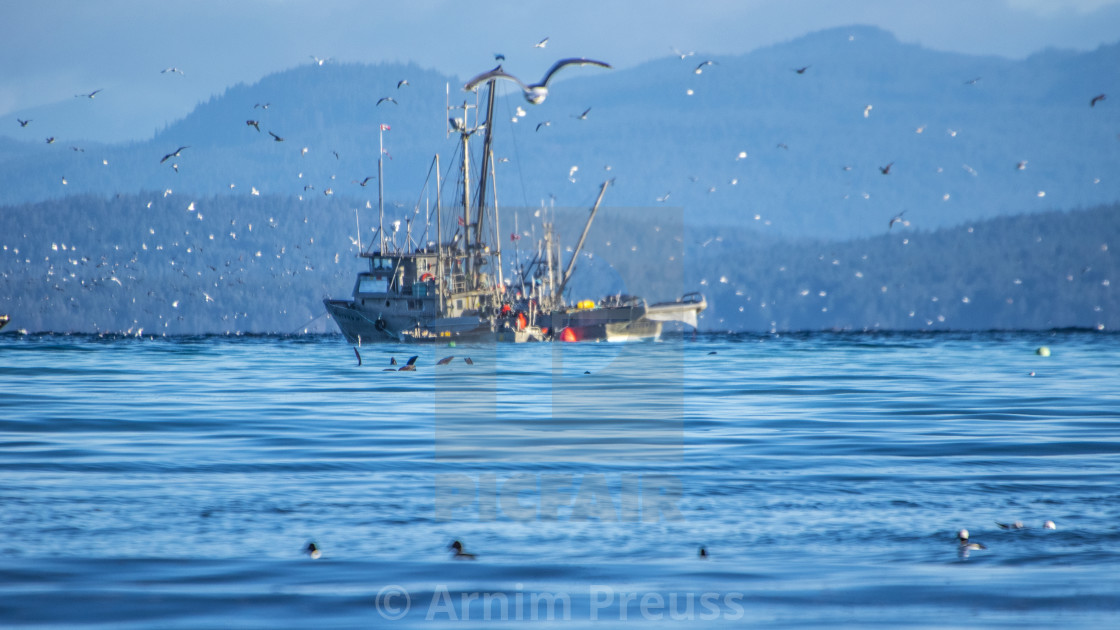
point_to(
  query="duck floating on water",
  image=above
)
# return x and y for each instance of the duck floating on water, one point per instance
(459, 554)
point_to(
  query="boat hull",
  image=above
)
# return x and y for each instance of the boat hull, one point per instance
(633, 322)
(362, 325)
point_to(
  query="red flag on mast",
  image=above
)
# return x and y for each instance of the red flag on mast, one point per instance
(385, 127)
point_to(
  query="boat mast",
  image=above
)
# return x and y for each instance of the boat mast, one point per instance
(440, 279)
(381, 188)
(486, 156)
(497, 231)
(579, 245)
(464, 135)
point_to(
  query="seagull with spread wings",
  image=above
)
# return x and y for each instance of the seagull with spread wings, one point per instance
(537, 92)
(174, 153)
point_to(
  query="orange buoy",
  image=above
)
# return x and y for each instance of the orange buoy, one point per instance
(568, 335)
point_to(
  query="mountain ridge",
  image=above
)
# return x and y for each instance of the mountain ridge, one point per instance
(979, 118)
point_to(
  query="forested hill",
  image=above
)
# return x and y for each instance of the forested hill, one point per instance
(169, 264)
(868, 128)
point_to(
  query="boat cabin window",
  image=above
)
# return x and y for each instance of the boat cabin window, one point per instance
(371, 284)
(382, 263)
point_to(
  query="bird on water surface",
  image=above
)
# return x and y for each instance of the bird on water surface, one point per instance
(459, 554)
(965, 543)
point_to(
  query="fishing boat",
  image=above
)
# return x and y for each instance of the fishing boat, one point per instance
(449, 284)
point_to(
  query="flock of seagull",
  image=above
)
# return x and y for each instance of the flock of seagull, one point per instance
(534, 93)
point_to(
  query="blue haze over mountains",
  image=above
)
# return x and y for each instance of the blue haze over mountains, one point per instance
(656, 138)
(779, 249)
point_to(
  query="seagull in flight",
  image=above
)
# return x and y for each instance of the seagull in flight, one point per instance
(50, 140)
(318, 60)
(886, 170)
(23, 123)
(90, 95)
(700, 68)
(275, 137)
(254, 123)
(583, 116)
(386, 98)
(537, 92)
(402, 83)
(541, 44)
(363, 182)
(683, 55)
(801, 70)
(547, 123)
(896, 219)
(172, 70)
(175, 153)
(1096, 99)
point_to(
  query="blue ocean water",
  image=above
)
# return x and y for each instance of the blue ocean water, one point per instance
(176, 483)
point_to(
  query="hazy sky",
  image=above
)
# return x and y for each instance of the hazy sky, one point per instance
(54, 49)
